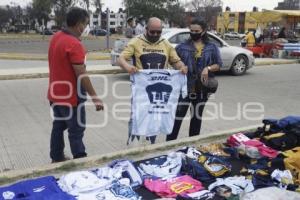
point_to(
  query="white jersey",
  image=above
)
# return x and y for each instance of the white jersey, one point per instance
(139, 29)
(155, 96)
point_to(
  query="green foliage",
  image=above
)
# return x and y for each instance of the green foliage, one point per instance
(147, 8)
(60, 9)
(41, 10)
(4, 17)
(176, 14)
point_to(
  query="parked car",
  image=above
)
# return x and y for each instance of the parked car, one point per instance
(237, 60)
(233, 35)
(98, 32)
(46, 32)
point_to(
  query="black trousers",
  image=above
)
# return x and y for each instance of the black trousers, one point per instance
(197, 102)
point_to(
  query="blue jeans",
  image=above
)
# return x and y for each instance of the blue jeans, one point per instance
(73, 119)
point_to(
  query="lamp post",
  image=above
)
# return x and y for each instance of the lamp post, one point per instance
(107, 28)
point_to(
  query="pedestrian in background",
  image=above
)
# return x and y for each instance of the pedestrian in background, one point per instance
(202, 58)
(250, 39)
(140, 29)
(129, 31)
(282, 33)
(68, 84)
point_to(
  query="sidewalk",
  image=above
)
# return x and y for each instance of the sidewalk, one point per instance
(42, 72)
(19, 56)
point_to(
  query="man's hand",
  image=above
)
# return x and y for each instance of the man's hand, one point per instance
(98, 103)
(184, 69)
(131, 70)
(204, 76)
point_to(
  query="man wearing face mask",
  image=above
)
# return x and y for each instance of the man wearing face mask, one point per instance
(202, 58)
(150, 51)
(68, 84)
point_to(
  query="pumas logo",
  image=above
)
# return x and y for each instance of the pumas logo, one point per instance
(8, 195)
(159, 94)
(153, 61)
(40, 189)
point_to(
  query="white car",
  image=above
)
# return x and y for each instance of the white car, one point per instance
(233, 35)
(235, 59)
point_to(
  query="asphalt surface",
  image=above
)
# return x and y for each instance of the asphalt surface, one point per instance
(21, 64)
(25, 125)
(40, 46)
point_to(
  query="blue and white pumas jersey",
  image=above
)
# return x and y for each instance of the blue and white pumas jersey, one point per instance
(155, 96)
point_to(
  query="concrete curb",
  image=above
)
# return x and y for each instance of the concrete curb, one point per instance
(14, 56)
(45, 75)
(117, 71)
(277, 62)
(137, 153)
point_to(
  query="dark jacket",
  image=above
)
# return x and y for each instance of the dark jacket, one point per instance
(210, 55)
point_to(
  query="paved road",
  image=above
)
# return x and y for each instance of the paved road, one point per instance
(41, 46)
(25, 120)
(23, 64)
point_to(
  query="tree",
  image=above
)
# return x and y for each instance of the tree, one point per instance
(4, 18)
(226, 21)
(207, 9)
(98, 6)
(176, 14)
(61, 8)
(147, 8)
(41, 10)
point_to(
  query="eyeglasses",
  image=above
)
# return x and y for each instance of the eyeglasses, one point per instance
(158, 32)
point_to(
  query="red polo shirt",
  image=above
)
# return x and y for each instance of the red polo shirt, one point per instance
(64, 50)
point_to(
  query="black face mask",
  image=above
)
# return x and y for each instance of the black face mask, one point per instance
(152, 38)
(196, 36)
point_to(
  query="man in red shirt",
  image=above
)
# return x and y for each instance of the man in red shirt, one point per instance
(68, 84)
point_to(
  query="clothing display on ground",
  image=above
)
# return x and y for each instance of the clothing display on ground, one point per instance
(119, 169)
(162, 167)
(174, 186)
(271, 193)
(44, 188)
(243, 168)
(236, 184)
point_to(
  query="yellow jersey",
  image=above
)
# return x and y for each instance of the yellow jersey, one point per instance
(147, 55)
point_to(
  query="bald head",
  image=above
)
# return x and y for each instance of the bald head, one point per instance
(154, 23)
(154, 29)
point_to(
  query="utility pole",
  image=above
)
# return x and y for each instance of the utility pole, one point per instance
(107, 28)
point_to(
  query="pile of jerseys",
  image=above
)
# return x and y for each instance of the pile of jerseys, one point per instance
(113, 182)
(243, 169)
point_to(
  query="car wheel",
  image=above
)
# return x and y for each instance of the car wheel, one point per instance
(239, 65)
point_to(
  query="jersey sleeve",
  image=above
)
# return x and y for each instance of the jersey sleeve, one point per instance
(128, 51)
(77, 54)
(173, 57)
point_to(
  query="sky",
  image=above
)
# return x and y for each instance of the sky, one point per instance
(235, 5)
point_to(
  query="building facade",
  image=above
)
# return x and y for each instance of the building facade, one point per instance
(288, 5)
(242, 22)
(116, 21)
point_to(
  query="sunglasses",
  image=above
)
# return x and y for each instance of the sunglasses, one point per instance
(158, 32)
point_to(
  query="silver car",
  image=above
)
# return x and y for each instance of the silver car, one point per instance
(237, 60)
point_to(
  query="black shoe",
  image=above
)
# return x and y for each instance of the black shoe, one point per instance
(65, 158)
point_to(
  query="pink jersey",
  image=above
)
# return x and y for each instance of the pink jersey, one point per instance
(174, 186)
(262, 148)
(237, 139)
